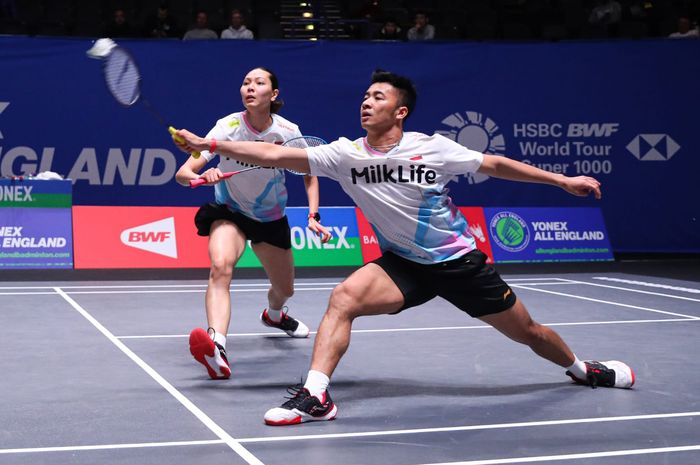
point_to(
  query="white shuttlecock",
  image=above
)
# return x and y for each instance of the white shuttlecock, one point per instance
(101, 48)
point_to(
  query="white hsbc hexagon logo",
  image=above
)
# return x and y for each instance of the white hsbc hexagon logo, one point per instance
(653, 147)
(157, 237)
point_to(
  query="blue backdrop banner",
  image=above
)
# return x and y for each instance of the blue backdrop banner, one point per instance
(547, 234)
(620, 111)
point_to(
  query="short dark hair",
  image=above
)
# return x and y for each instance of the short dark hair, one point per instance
(406, 88)
(278, 103)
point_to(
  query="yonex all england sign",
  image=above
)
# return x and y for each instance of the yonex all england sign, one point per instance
(35, 224)
(547, 234)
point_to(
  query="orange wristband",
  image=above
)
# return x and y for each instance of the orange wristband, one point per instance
(212, 146)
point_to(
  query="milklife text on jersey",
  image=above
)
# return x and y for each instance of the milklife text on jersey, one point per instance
(380, 172)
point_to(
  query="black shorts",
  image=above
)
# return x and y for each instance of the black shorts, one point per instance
(468, 282)
(275, 232)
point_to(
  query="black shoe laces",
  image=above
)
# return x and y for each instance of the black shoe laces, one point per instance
(297, 396)
(598, 374)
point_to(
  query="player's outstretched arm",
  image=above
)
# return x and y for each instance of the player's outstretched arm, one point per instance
(257, 153)
(505, 168)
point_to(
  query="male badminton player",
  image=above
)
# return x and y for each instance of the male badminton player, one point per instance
(398, 180)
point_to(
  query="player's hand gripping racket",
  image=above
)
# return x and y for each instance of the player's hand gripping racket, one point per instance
(298, 142)
(124, 80)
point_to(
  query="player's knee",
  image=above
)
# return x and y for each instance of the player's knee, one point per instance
(344, 300)
(220, 269)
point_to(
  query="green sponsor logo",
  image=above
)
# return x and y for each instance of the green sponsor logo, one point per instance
(510, 231)
(37, 201)
(308, 250)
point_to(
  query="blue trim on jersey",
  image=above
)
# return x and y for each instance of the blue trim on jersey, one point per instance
(425, 212)
(386, 246)
(223, 197)
(281, 199)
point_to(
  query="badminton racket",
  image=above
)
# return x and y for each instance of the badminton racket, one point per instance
(124, 83)
(297, 142)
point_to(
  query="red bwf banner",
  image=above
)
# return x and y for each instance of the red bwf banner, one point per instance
(137, 237)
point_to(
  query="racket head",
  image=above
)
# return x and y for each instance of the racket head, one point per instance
(122, 76)
(302, 143)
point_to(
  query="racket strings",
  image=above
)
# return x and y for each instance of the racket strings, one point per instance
(302, 143)
(122, 77)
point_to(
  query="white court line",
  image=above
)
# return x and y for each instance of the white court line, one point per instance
(436, 328)
(369, 433)
(637, 307)
(31, 450)
(204, 285)
(28, 293)
(608, 286)
(193, 291)
(161, 286)
(208, 422)
(648, 284)
(559, 283)
(585, 455)
(527, 424)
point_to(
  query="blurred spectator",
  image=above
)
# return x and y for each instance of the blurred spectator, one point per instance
(686, 30)
(161, 24)
(605, 13)
(8, 9)
(118, 26)
(237, 29)
(389, 31)
(372, 11)
(421, 30)
(201, 30)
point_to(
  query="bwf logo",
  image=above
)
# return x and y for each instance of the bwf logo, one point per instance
(157, 237)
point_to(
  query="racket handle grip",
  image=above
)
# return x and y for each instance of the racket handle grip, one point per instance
(173, 133)
(199, 181)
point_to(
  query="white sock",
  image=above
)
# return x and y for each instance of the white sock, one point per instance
(578, 368)
(275, 315)
(219, 339)
(316, 383)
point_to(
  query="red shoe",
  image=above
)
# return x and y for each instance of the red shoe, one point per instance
(210, 354)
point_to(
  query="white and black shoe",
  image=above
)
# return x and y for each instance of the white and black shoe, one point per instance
(302, 407)
(289, 325)
(607, 374)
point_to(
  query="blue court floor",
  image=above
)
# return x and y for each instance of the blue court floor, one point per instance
(100, 372)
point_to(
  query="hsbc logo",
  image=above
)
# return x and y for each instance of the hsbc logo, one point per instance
(157, 237)
(653, 147)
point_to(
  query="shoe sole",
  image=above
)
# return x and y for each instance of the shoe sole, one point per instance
(202, 349)
(303, 418)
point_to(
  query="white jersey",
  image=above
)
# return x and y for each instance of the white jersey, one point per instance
(402, 193)
(259, 194)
